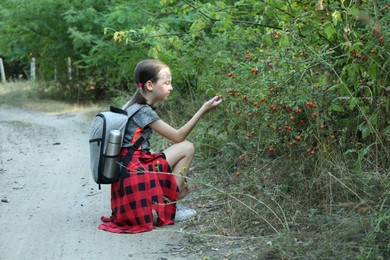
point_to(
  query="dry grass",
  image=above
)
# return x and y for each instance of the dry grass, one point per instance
(23, 95)
(275, 208)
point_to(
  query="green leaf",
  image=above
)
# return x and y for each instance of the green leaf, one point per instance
(267, 40)
(353, 103)
(350, 151)
(330, 31)
(336, 17)
(284, 41)
(121, 19)
(336, 108)
(373, 70)
(353, 70)
(368, 128)
(353, 10)
(356, 46)
(365, 129)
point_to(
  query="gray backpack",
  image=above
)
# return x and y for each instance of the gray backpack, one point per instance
(101, 147)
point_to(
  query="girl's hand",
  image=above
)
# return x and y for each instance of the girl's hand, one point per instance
(212, 103)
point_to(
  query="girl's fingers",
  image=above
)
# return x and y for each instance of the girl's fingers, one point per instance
(218, 99)
(215, 101)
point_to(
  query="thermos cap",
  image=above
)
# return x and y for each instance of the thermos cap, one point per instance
(115, 136)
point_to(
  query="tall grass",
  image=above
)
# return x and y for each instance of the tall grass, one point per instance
(306, 207)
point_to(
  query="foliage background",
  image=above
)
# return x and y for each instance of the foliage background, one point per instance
(300, 147)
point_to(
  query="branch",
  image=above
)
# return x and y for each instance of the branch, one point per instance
(235, 21)
(258, 24)
(197, 10)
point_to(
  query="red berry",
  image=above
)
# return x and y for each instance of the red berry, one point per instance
(231, 75)
(311, 104)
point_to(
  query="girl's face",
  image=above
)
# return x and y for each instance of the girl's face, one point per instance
(163, 87)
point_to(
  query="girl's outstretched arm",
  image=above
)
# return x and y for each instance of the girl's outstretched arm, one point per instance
(181, 134)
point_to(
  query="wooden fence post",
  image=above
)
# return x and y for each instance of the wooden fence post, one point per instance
(70, 68)
(55, 71)
(3, 79)
(32, 69)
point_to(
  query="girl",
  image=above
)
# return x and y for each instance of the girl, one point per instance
(153, 182)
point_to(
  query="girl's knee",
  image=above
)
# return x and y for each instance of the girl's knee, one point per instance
(188, 147)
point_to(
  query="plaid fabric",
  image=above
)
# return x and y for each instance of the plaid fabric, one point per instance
(146, 185)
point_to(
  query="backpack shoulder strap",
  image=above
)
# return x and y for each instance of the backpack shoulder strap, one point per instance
(131, 111)
(118, 110)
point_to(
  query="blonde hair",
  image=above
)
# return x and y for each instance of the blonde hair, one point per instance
(145, 70)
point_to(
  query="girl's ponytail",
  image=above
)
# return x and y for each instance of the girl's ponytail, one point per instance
(138, 97)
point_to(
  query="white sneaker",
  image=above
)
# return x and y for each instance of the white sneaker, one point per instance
(183, 213)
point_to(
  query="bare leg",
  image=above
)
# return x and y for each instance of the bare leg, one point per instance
(179, 157)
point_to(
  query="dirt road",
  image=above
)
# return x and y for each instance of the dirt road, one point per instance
(50, 207)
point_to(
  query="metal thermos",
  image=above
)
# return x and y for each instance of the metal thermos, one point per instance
(112, 153)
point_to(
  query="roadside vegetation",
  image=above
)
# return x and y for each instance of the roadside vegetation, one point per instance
(296, 162)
